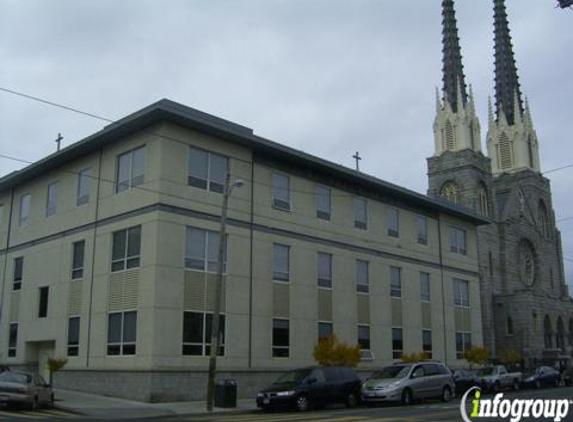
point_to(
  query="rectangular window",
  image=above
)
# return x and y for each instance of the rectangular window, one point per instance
(458, 241)
(360, 213)
(83, 194)
(126, 249)
(362, 278)
(461, 293)
(397, 343)
(425, 287)
(43, 302)
(427, 343)
(281, 262)
(25, 205)
(130, 169)
(324, 270)
(364, 337)
(322, 202)
(207, 170)
(395, 282)
(463, 344)
(73, 336)
(281, 340)
(325, 330)
(78, 252)
(52, 199)
(121, 333)
(281, 191)
(393, 222)
(18, 273)
(13, 340)
(422, 230)
(202, 250)
(197, 330)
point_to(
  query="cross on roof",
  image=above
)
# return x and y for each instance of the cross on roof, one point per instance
(357, 157)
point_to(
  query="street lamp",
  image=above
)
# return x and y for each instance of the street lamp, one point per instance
(218, 289)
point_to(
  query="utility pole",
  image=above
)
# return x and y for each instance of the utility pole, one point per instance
(218, 291)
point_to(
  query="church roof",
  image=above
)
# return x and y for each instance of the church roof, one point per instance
(453, 69)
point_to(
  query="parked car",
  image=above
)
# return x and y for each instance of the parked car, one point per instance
(496, 378)
(465, 379)
(25, 388)
(314, 386)
(543, 376)
(408, 382)
(568, 377)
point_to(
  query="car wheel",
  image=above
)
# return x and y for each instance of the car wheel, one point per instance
(515, 385)
(537, 384)
(351, 400)
(446, 394)
(301, 403)
(407, 398)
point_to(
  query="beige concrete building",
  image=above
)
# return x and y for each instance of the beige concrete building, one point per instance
(108, 254)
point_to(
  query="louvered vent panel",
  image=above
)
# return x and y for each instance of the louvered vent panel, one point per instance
(363, 303)
(75, 298)
(211, 279)
(115, 293)
(130, 289)
(15, 306)
(281, 300)
(396, 312)
(324, 305)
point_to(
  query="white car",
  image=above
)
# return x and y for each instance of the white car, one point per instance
(25, 388)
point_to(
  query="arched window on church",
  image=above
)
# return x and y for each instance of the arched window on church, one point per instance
(548, 333)
(560, 338)
(483, 204)
(509, 326)
(505, 152)
(571, 332)
(544, 219)
(450, 141)
(451, 192)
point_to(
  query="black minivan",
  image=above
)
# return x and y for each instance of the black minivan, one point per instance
(313, 386)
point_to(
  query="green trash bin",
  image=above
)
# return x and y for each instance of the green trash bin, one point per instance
(226, 393)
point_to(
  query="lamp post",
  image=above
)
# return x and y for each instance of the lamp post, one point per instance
(218, 291)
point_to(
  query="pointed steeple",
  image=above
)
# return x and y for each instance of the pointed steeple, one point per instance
(507, 91)
(453, 70)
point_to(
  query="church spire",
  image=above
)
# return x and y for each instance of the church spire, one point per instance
(453, 70)
(507, 91)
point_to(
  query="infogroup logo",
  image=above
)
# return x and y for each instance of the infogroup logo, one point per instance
(513, 409)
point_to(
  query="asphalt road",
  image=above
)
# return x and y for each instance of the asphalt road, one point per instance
(430, 411)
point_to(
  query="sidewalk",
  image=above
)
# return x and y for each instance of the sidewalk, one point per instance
(105, 407)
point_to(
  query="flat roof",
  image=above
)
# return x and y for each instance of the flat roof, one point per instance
(167, 110)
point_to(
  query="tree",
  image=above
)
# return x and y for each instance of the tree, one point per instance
(477, 356)
(329, 351)
(509, 357)
(414, 357)
(54, 365)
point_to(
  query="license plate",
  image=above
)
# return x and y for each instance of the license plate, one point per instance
(266, 400)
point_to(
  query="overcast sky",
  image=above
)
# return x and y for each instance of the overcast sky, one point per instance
(325, 76)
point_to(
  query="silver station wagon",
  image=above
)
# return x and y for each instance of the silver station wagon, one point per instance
(407, 382)
(24, 388)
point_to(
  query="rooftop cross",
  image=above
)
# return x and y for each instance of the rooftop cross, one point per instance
(59, 140)
(357, 158)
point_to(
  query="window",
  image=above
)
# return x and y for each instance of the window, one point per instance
(544, 219)
(126, 249)
(360, 214)
(73, 336)
(397, 343)
(13, 340)
(202, 250)
(425, 287)
(395, 282)
(458, 241)
(78, 252)
(364, 338)
(422, 230)
(25, 205)
(281, 191)
(197, 331)
(324, 330)
(130, 169)
(324, 270)
(362, 279)
(18, 273)
(281, 262)
(463, 344)
(52, 199)
(121, 333)
(322, 202)
(509, 326)
(207, 170)
(451, 192)
(393, 222)
(483, 206)
(280, 338)
(461, 293)
(83, 195)
(43, 302)
(427, 343)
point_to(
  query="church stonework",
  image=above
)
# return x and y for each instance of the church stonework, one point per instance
(525, 301)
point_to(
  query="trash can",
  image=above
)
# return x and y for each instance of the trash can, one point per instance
(226, 393)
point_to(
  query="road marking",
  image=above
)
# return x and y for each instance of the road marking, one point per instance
(21, 414)
(60, 413)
